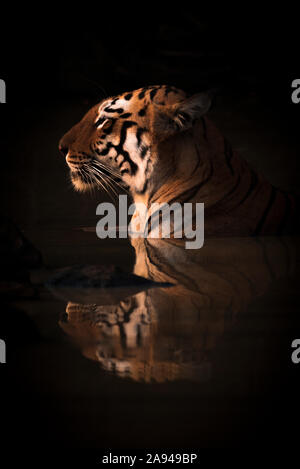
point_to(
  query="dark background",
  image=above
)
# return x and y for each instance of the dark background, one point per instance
(57, 67)
(249, 51)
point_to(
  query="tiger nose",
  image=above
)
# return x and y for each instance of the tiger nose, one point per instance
(63, 149)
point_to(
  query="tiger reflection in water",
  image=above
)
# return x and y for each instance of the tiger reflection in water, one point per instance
(165, 334)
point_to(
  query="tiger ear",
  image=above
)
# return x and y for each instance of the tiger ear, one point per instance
(174, 118)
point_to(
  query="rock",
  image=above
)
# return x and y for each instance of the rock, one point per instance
(18, 255)
(98, 284)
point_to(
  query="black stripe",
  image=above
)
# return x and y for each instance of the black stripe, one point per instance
(119, 110)
(204, 128)
(153, 93)
(125, 126)
(168, 90)
(105, 150)
(122, 336)
(252, 186)
(141, 95)
(119, 148)
(127, 313)
(100, 121)
(144, 150)
(138, 336)
(126, 115)
(228, 154)
(198, 159)
(142, 111)
(124, 171)
(262, 220)
(139, 134)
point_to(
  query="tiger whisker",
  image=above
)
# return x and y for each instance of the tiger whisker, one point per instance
(92, 185)
(100, 179)
(90, 182)
(111, 170)
(110, 178)
(86, 178)
(112, 181)
(109, 184)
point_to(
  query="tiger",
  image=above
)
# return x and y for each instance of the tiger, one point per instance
(158, 143)
(170, 332)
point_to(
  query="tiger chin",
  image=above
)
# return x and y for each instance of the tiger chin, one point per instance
(79, 184)
(157, 142)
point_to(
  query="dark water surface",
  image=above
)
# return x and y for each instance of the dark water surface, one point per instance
(205, 362)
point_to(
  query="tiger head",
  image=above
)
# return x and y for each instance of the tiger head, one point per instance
(118, 140)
